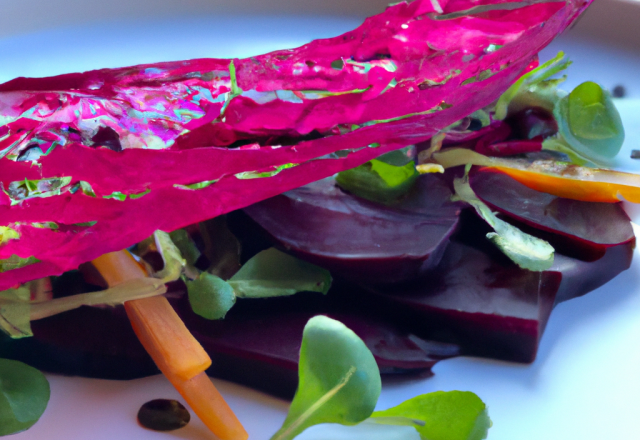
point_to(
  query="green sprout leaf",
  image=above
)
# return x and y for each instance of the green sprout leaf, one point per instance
(589, 124)
(210, 296)
(274, 273)
(24, 394)
(15, 312)
(525, 250)
(339, 380)
(379, 181)
(453, 415)
(533, 89)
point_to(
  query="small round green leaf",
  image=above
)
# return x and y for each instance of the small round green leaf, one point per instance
(24, 394)
(589, 123)
(210, 296)
(339, 380)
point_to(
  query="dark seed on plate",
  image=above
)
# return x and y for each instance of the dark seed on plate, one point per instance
(619, 91)
(635, 154)
(163, 415)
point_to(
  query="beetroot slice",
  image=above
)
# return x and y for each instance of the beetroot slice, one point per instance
(581, 229)
(358, 239)
(257, 344)
(484, 303)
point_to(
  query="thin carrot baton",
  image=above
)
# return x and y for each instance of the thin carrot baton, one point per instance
(172, 347)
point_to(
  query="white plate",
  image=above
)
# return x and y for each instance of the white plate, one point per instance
(584, 384)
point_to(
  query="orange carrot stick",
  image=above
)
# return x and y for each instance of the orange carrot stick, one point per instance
(172, 347)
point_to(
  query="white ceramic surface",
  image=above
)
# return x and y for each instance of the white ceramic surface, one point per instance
(585, 382)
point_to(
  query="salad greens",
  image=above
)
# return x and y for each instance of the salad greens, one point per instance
(525, 250)
(453, 415)
(24, 394)
(339, 382)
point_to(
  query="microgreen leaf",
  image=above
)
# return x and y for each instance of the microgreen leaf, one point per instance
(15, 312)
(452, 415)
(339, 380)
(525, 250)
(24, 394)
(173, 261)
(589, 123)
(378, 181)
(16, 262)
(533, 89)
(274, 273)
(210, 296)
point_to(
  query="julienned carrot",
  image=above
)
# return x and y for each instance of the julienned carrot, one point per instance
(165, 337)
(209, 405)
(172, 347)
(159, 328)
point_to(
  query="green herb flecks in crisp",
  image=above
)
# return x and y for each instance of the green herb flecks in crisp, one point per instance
(16, 262)
(15, 313)
(274, 273)
(525, 250)
(7, 233)
(28, 189)
(24, 394)
(271, 173)
(122, 196)
(210, 296)
(339, 380)
(198, 185)
(452, 415)
(85, 187)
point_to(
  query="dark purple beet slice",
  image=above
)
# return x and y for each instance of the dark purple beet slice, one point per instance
(580, 229)
(361, 240)
(257, 344)
(484, 303)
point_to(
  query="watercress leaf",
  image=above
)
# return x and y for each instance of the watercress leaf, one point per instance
(525, 250)
(24, 394)
(15, 312)
(378, 181)
(339, 380)
(210, 296)
(274, 273)
(452, 415)
(589, 123)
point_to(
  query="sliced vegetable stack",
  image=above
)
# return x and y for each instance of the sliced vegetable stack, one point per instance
(420, 179)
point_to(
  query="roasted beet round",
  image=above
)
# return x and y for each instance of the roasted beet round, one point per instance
(358, 239)
(581, 229)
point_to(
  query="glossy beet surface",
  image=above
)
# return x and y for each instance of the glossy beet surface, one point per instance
(474, 301)
(322, 224)
(483, 302)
